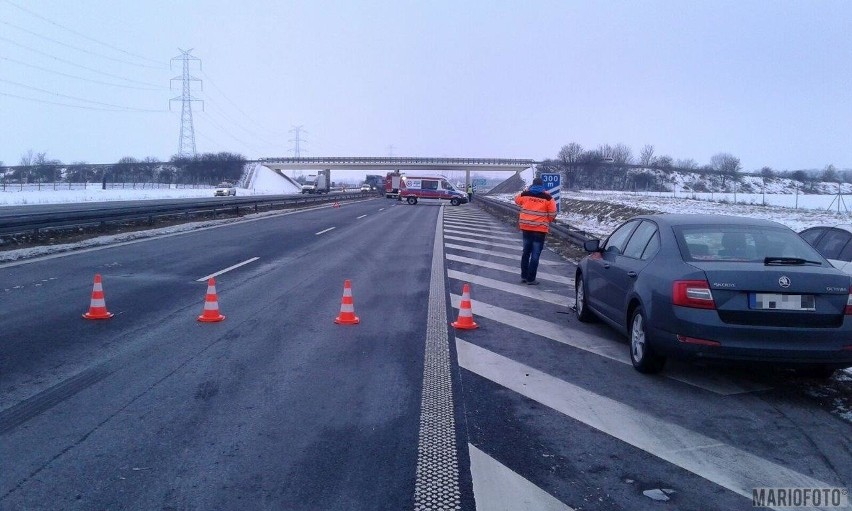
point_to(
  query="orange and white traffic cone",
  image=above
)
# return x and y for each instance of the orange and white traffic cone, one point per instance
(347, 307)
(336, 204)
(211, 305)
(97, 306)
(465, 318)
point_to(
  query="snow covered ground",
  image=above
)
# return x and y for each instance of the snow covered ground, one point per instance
(264, 182)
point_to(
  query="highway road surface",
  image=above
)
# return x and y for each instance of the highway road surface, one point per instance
(277, 407)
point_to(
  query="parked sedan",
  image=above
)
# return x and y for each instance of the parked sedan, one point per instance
(833, 243)
(712, 287)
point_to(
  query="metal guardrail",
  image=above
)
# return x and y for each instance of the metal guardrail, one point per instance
(563, 230)
(22, 222)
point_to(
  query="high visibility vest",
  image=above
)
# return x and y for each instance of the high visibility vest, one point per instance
(536, 213)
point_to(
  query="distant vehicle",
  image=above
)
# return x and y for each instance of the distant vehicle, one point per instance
(718, 288)
(411, 189)
(833, 243)
(321, 183)
(365, 187)
(225, 189)
(608, 160)
(393, 181)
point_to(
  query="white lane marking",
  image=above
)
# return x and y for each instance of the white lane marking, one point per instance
(226, 270)
(360, 217)
(498, 488)
(480, 242)
(381, 209)
(478, 235)
(725, 465)
(515, 270)
(517, 289)
(323, 231)
(481, 225)
(613, 350)
(496, 253)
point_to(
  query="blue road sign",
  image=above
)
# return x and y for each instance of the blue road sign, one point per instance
(553, 185)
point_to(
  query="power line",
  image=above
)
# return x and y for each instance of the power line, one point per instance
(54, 57)
(83, 107)
(66, 45)
(240, 110)
(44, 91)
(84, 36)
(226, 132)
(60, 73)
(229, 119)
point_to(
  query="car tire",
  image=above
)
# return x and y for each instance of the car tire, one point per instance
(580, 304)
(412, 200)
(455, 202)
(642, 355)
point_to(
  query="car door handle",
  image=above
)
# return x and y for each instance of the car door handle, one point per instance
(606, 266)
(632, 274)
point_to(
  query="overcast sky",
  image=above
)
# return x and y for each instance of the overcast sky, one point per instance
(770, 82)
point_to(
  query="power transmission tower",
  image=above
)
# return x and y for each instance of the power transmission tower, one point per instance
(297, 140)
(186, 144)
(390, 150)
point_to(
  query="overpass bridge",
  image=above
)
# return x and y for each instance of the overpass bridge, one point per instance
(401, 163)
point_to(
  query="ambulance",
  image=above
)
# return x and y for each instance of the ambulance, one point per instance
(414, 188)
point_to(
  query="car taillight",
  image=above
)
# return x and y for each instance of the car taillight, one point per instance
(696, 340)
(848, 310)
(695, 293)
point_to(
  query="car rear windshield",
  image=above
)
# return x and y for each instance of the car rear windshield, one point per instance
(742, 243)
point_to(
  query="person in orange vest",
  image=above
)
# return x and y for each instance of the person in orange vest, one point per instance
(538, 209)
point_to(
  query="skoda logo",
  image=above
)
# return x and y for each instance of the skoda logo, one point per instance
(784, 281)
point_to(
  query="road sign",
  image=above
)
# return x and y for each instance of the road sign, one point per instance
(553, 186)
(478, 181)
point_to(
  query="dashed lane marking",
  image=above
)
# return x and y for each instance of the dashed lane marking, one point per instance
(226, 270)
(517, 289)
(498, 488)
(607, 348)
(324, 231)
(360, 217)
(720, 463)
(515, 270)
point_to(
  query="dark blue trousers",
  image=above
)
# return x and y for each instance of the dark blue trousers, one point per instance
(533, 245)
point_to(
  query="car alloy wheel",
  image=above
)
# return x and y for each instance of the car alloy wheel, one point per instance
(641, 354)
(583, 312)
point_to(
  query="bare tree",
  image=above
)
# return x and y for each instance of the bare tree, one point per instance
(727, 165)
(686, 164)
(568, 158)
(830, 174)
(646, 156)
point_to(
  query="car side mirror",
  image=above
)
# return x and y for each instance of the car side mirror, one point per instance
(591, 245)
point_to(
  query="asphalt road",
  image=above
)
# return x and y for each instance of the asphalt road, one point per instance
(278, 407)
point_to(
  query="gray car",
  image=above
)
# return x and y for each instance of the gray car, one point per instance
(718, 288)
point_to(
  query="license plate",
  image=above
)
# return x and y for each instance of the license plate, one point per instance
(777, 301)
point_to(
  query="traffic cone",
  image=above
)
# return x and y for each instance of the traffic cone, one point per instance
(465, 318)
(336, 204)
(97, 306)
(211, 305)
(347, 307)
